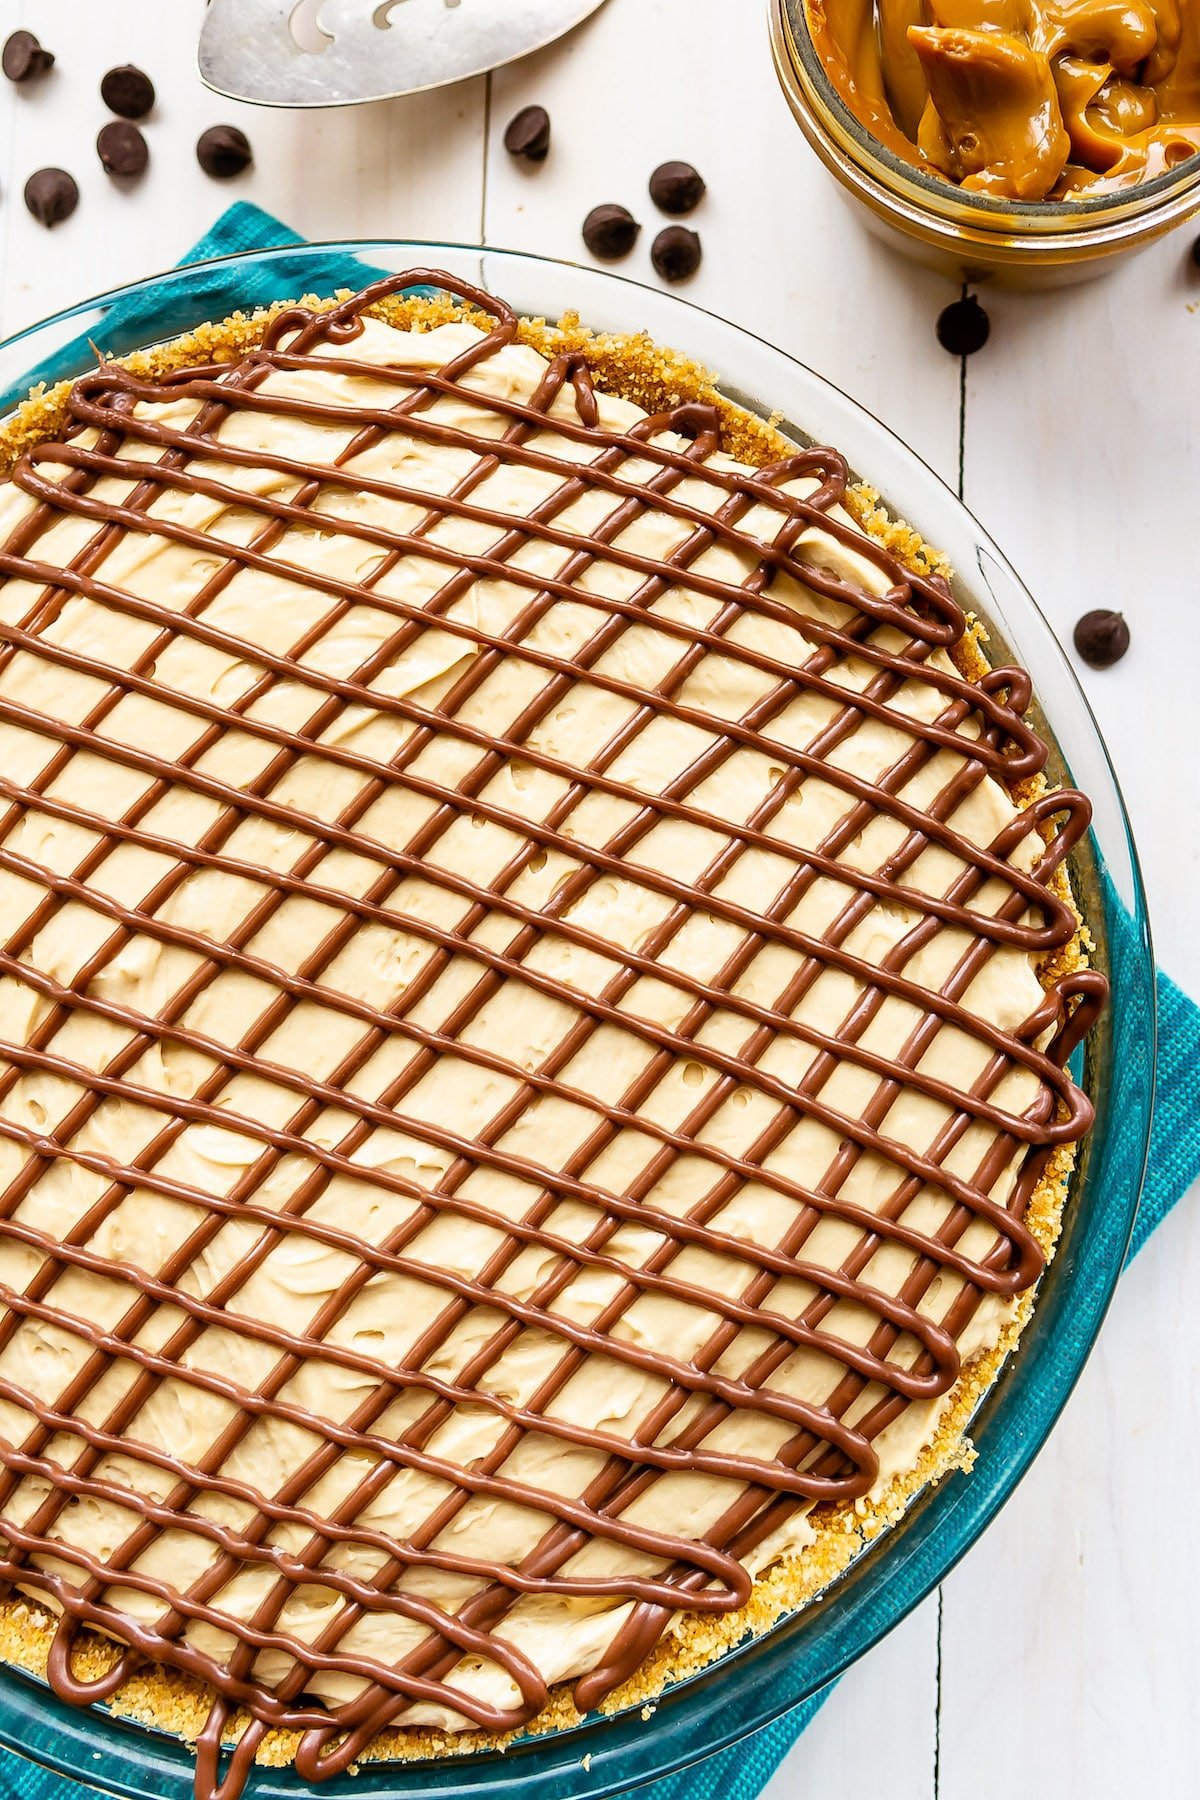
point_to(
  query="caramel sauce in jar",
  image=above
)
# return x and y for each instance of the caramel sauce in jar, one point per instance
(1028, 100)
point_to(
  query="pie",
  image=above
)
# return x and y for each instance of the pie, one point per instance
(537, 980)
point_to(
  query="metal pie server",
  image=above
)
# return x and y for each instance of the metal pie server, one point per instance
(339, 52)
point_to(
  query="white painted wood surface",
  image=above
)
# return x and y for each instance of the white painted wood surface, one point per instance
(1062, 1659)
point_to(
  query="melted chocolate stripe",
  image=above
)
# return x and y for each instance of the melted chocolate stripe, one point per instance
(1049, 937)
(751, 736)
(865, 1136)
(357, 1533)
(902, 606)
(1031, 753)
(832, 1459)
(1018, 1048)
(1030, 1131)
(729, 1308)
(163, 931)
(473, 634)
(612, 860)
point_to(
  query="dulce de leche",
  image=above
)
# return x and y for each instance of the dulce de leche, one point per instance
(1022, 99)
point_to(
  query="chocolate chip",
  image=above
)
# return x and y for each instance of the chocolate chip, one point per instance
(1196, 253)
(23, 57)
(675, 187)
(223, 151)
(528, 134)
(675, 253)
(51, 195)
(122, 148)
(127, 91)
(963, 327)
(1102, 638)
(610, 231)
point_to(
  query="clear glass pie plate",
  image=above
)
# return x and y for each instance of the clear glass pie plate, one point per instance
(761, 1679)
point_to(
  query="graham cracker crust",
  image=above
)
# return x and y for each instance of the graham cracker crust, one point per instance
(657, 379)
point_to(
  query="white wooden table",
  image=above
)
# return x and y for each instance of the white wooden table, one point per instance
(1059, 1660)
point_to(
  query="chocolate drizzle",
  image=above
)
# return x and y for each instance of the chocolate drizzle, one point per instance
(828, 1453)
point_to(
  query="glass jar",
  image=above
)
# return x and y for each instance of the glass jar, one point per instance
(968, 235)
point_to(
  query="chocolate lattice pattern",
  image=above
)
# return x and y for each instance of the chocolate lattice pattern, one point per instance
(523, 1061)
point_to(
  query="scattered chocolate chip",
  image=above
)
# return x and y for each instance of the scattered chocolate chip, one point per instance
(122, 148)
(528, 134)
(675, 253)
(1102, 638)
(610, 231)
(675, 187)
(23, 57)
(51, 195)
(127, 91)
(223, 151)
(963, 327)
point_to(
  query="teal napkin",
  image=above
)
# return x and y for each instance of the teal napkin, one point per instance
(211, 293)
(742, 1771)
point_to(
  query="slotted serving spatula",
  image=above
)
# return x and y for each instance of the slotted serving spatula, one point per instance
(338, 52)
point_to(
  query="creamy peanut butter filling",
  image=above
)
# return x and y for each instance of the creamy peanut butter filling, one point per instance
(1022, 99)
(522, 1054)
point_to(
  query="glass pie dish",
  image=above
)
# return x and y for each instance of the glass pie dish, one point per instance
(760, 1679)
